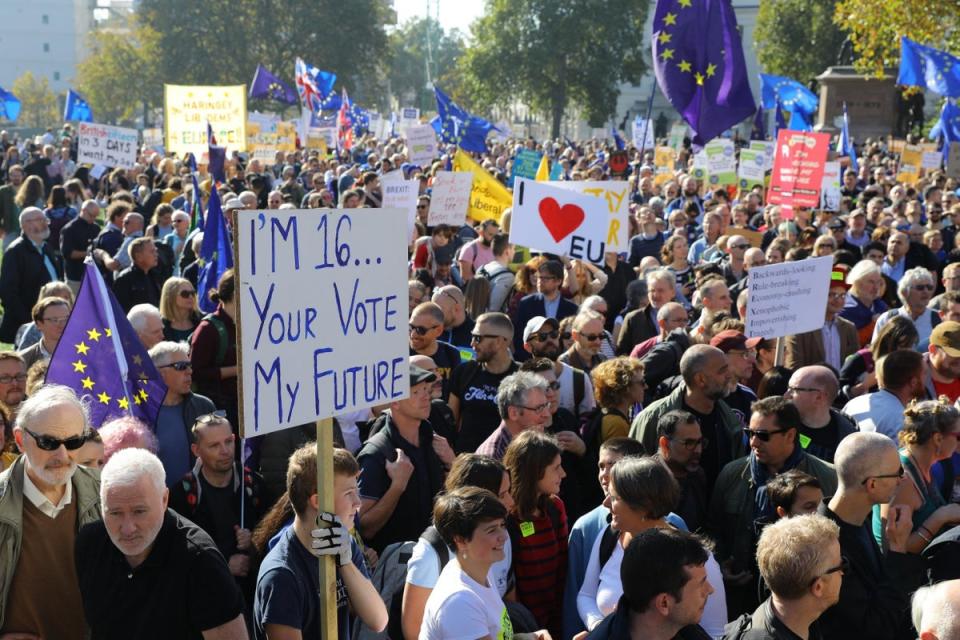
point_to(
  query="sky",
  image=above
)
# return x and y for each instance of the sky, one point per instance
(454, 14)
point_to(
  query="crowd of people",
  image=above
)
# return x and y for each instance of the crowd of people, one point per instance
(587, 451)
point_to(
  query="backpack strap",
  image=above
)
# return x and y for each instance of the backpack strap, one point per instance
(222, 337)
(608, 543)
(579, 389)
(432, 536)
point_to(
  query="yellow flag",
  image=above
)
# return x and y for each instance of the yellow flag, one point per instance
(543, 171)
(488, 197)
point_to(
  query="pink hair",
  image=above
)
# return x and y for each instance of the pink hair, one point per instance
(126, 433)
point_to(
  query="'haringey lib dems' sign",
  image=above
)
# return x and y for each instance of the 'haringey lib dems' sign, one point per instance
(787, 298)
(106, 145)
(188, 109)
(324, 314)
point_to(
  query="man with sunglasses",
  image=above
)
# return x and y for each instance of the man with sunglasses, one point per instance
(426, 325)
(835, 340)
(541, 339)
(547, 302)
(739, 503)
(734, 267)
(874, 599)
(588, 335)
(915, 290)
(44, 499)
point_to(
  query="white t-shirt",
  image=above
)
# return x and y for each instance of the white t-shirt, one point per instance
(423, 568)
(461, 609)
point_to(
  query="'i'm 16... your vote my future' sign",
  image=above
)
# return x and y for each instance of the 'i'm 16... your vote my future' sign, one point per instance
(323, 312)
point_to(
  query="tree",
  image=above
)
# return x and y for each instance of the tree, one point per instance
(875, 27)
(409, 55)
(797, 38)
(551, 53)
(38, 103)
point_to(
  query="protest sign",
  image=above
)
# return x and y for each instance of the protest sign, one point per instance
(953, 160)
(402, 194)
(188, 109)
(421, 145)
(768, 148)
(106, 145)
(265, 140)
(409, 117)
(488, 197)
(153, 139)
(798, 168)
(525, 165)
(751, 169)
(450, 198)
(643, 134)
(615, 195)
(830, 187)
(554, 220)
(787, 298)
(897, 146)
(678, 132)
(721, 162)
(931, 160)
(663, 160)
(343, 347)
(910, 159)
(699, 170)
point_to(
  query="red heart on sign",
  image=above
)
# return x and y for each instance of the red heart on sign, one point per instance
(560, 221)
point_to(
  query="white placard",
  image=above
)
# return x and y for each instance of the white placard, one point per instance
(323, 308)
(450, 198)
(409, 117)
(106, 145)
(641, 128)
(931, 160)
(153, 138)
(752, 167)
(401, 194)
(768, 148)
(830, 187)
(615, 195)
(787, 298)
(421, 145)
(555, 220)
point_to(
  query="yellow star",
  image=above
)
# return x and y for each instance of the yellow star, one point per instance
(107, 332)
(82, 348)
(670, 19)
(94, 335)
(137, 400)
(79, 367)
(684, 66)
(124, 403)
(664, 37)
(137, 360)
(699, 77)
(711, 70)
(667, 54)
(103, 398)
(143, 394)
(87, 383)
(684, 3)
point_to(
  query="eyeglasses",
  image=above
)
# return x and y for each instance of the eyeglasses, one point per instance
(837, 295)
(212, 418)
(543, 337)
(747, 354)
(183, 365)
(591, 337)
(566, 335)
(48, 443)
(539, 278)
(762, 436)
(421, 206)
(843, 567)
(802, 389)
(540, 408)
(421, 331)
(56, 321)
(923, 287)
(20, 377)
(476, 337)
(692, 443)
(898, 474)
(186, 294)
(555, 386)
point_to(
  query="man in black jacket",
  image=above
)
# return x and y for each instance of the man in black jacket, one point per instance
(28, 264)
(139, 283)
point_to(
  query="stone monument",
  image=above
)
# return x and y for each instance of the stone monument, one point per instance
(871, 102)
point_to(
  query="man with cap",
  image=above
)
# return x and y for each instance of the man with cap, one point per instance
(541, 339)
(835, 340)
(400, 472)
(741, 355)
(838, 229)
(942, 362)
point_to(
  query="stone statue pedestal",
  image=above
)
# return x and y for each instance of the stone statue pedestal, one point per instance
(871, 102)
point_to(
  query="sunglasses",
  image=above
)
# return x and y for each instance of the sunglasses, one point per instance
(421, 331)
(898, 474)
(183, 365)
(476, 337)
(48, 443)
(549, 335)
(187, 293)
(212, 418)
(843, 567)
(762, 436)
(591, 337)
(553, 386)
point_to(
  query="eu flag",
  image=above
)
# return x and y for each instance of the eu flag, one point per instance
(698, 61)
(456, 126)
(790, 94)
(948, 126)
(267, 85)
(76, 108)
(845, 144)
(216, 252)
(101, 358)
(9, 105)
(922, 66)
(216, 157)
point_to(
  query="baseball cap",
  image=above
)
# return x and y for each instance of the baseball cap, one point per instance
(731, 339)
(838, 276)
(946, 335)
(418, 375)
(837, 223)
(536, 323)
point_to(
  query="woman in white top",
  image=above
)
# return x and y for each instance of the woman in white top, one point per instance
(464, 603)
(423, 568)
(642, 492)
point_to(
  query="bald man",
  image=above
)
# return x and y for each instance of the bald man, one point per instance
(752, 257)
(456, 325)
(813, 390)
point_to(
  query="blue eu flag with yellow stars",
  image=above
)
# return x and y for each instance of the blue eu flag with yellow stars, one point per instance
(101, 358)
(455, 126)
(948, 126)
(699, 64)
(922, 66)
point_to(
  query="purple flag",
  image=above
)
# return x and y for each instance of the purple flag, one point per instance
(698, 61)
(267, 85)
(101, 358)
(216, 157)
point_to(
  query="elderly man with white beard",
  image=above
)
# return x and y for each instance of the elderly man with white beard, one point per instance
(44, 498)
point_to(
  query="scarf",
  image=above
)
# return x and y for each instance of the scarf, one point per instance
(760, 475)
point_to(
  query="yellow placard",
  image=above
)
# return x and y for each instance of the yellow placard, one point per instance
(910, 159)
(488, 197)
(188, 109)
(664, 159)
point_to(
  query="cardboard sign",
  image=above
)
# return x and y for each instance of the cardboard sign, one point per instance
(615, 195)
(678, 132)
(488, 197)
(830, 187)
(450, 198)
(768, 148)
(409, 117)
(525, 165)
(153, 139)
(931, 160)
(341, 348)
(421, 145)
(664, 160)
(953, 160)
(619, 163)
(721, 162)
(401, 194)
(699, 170)
(265, 142)
(752, 168)
(910, 160)
(787, 298)
(798, 168)
(555, 220)
(106, 145)
(643, 134)
(188, 109)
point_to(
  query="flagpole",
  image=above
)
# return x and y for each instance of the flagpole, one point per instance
(646, 123)
(243, 478)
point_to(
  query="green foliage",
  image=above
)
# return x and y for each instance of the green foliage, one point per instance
(797, 38)
(408, 61)
(38, 103)
(553, 53)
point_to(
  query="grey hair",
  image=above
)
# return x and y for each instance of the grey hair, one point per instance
(662, 274)
(591, 301)
(47, 397)
(126, 467)
(857, 457)
(861, 270)
(514, 388)
(162, 352)
(695, 359)
(911, 278)
(29, 211)
(934, 608)
(585, 316)
(663, 313)
(140, 313)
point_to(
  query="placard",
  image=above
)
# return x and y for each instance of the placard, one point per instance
(488, 197)
(106, 145)
(550, 219)
(768, 147)
(409, 117)
(798, 168)
(153, 139)
(664, 159)
(721, 162)
(450, 198)
(752, 167)
(830, 187)
(421, 145)
(787, 298)
(188, 109)
(643, 134)
(615, 195)
(525, 165)
(341, 348)
(910, 159)
(265, 141)
(402, 194)
(953, 160)
(678, 132)
(931, 160)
